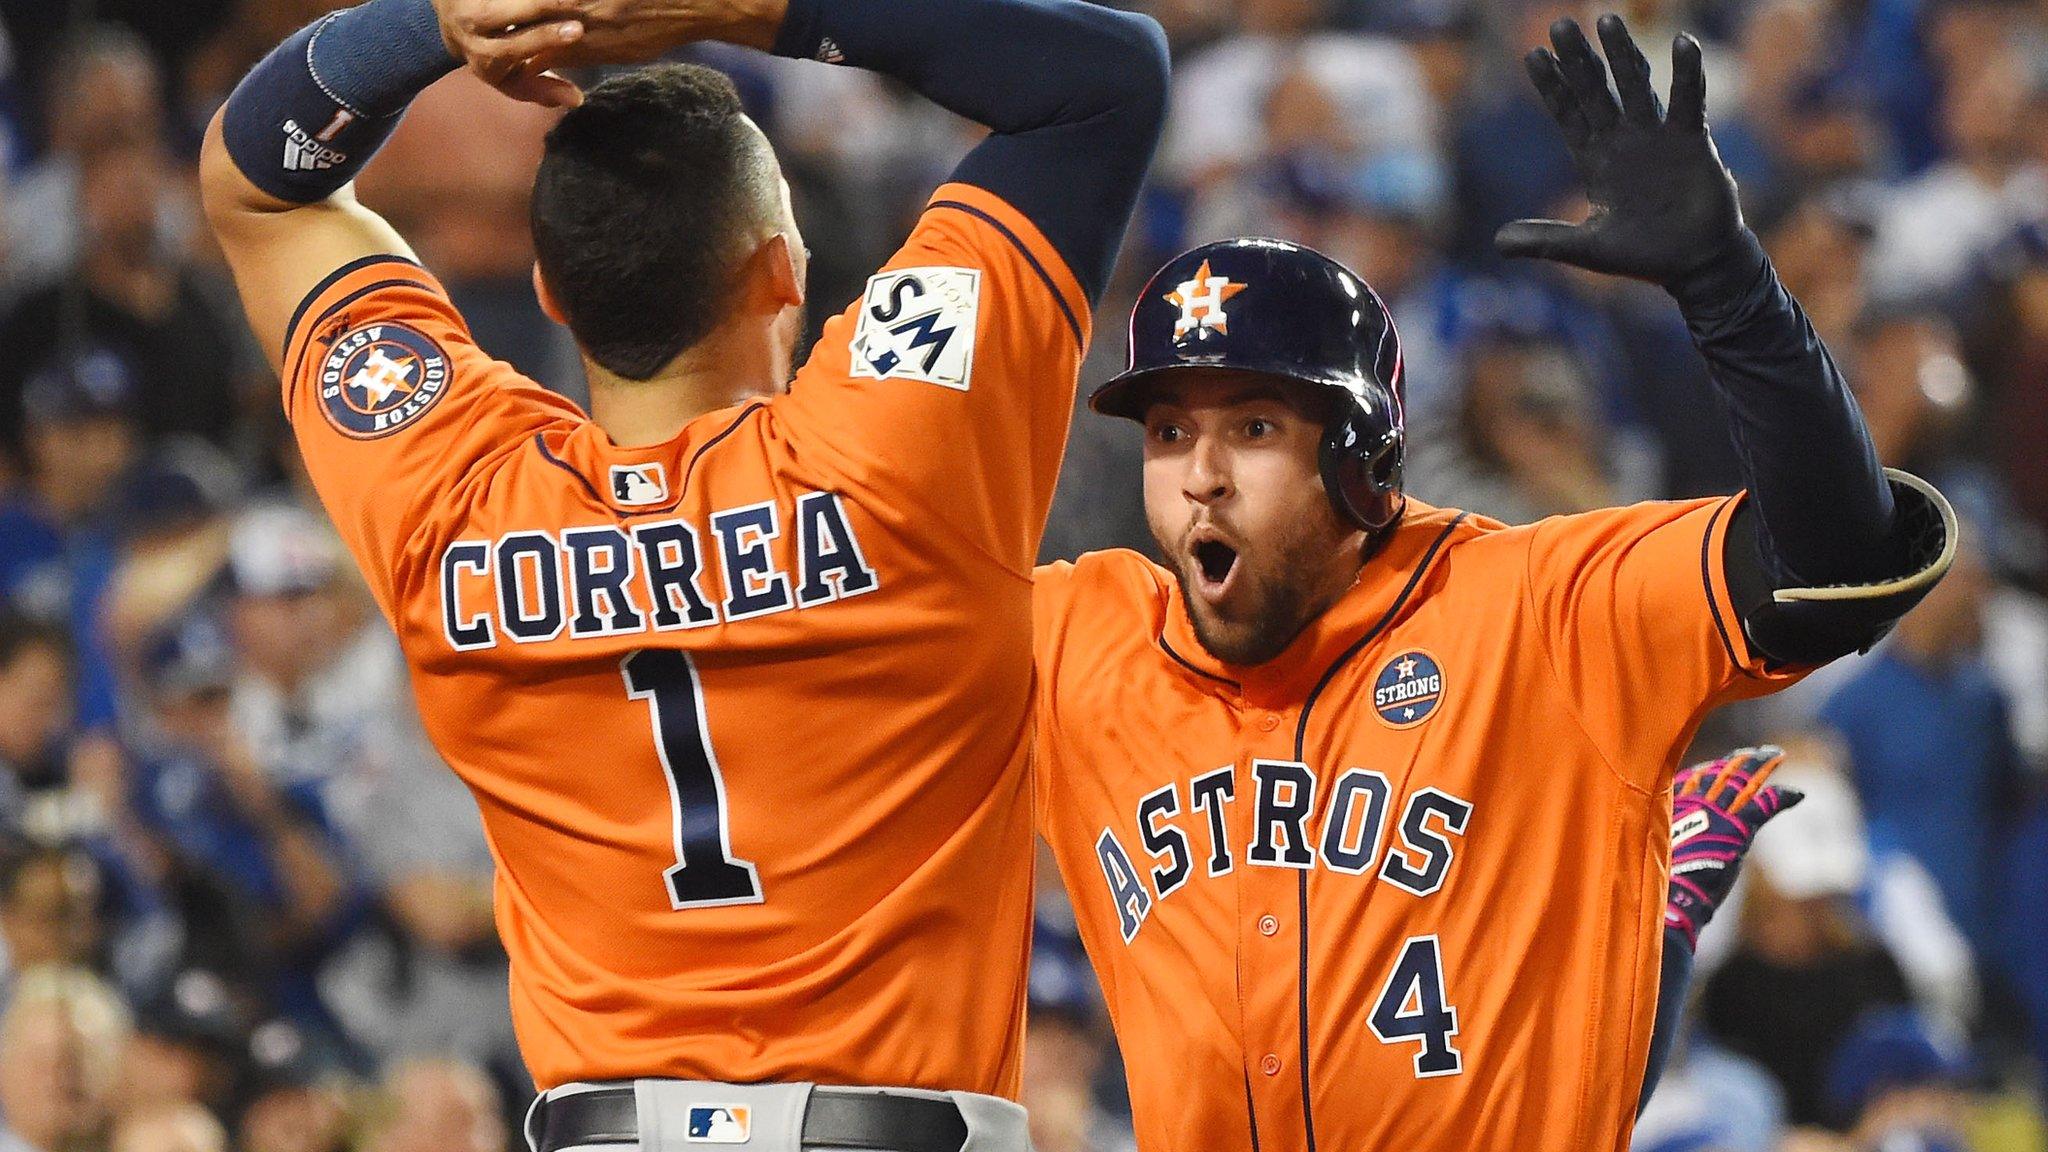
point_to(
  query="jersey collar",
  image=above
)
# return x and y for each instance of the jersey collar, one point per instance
(1388, 585)
(644, 480)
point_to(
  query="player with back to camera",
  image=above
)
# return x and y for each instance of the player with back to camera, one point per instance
(737, 667)
(1366, 806)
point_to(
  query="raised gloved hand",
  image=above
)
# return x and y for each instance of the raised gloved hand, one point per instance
(1716, 808)
(1664, 206)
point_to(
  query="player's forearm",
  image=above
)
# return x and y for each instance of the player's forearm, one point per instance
(1674, 980)
(1074, 94)
(1826, 514)
(310, 115)
(1831, 550)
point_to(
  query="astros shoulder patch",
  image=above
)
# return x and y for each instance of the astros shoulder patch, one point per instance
(378, 378)
(918, 324)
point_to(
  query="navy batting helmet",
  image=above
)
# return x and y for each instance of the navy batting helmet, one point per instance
(1279, 309)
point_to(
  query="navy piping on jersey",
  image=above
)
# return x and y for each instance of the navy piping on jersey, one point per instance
(1183, 662)
(1066, 310)
(558, 462)
(329, 281)
(292, 371)
(1308, 1118)
(1251, 1109)
(690, 469)
(1707, 583)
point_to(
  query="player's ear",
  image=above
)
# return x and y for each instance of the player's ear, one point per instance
(781, 264)
(547, 298)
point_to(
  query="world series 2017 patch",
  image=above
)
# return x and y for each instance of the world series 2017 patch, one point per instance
(378, 378)
(918, 324)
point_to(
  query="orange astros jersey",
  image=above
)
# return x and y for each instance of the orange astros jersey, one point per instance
(1402, 887)
(746, 712)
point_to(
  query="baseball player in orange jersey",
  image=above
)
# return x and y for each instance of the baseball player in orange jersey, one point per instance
(737, 668)
(1365, 805)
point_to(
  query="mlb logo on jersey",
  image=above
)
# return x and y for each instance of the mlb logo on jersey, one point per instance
(1201, 303)
(379, 378)
(918, 324)
(719, 1124)
(634, 485)
(1408, 689)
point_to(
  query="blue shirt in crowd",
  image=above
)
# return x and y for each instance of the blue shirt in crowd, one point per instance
(1932, 756)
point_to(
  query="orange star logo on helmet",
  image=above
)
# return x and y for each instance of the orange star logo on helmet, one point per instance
(1201, 302)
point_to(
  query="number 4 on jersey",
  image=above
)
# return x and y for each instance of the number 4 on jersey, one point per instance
(1411, 1007)
(705, 874)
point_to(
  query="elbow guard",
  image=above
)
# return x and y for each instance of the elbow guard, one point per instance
(1816, 625)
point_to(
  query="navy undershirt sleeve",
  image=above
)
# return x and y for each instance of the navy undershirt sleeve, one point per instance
(1825, 512)
(1673, 979)
(1073, 95)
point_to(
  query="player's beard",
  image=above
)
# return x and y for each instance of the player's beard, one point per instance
(1280, 588)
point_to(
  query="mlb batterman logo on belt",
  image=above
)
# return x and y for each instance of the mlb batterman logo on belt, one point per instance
(719, 1124)
(1408, 689)
(380, 377)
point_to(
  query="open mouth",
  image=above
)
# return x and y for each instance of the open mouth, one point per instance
(1214, 561)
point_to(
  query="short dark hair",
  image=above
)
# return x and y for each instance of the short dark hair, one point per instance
(642, 196)
(19, 634)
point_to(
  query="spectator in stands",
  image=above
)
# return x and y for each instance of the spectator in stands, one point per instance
(104, 93)
(1066, 1050)
(175, 1128)
(428, 976)
(1930, 750)
(1819, 246)
(293, 1102)
(323, 704)
(135, 290)
(35, 707)
(252, 878)
(1898, 1083)
(319, 676)
(188, 1047)
(1529, 444)
(2016, 360)
(1910, 378)
(1805, 966)
(51, 909)
(2026, 929)
(63, 533)
(60, 1050)
(1801, 118)
(1221, 117)
(1507, 165)
(1936, 229)
(438, 1106)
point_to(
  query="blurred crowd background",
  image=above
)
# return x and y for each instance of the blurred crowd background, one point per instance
(242, 905)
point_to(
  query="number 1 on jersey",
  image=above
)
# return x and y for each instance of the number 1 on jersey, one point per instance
(705, 874)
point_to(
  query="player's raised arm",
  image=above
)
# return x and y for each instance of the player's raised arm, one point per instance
(946, 391)
(1073, 94)
(279, 158)
(1831, 549)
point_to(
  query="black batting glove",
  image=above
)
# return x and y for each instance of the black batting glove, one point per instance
(1664, 206)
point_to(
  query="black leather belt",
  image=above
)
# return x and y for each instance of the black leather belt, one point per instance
(835, 1118)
